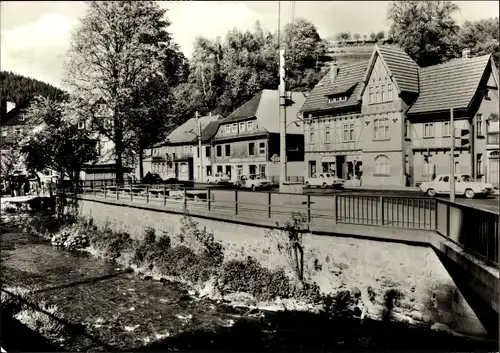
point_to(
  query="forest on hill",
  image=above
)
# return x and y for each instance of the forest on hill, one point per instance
(21, 89)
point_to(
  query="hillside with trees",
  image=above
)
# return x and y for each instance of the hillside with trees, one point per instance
(21, 89)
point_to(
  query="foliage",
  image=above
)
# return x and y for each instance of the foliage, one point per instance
(111, 244)
(303, 49)
(201, 240)
(56, 142)
(480, 37)
(288, 239)
(250, 277)
(122, 53)
(424, 29)
(21, 90)
(41, 320)
(343, 303)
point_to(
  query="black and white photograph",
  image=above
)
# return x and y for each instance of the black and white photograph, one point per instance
(292, 176)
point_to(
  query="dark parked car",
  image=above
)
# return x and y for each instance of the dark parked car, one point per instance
(152, 179)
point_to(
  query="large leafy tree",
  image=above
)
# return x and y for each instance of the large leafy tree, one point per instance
(424, 29)
(481, 37)
(56, 142)
(118, 48)
(303, 49)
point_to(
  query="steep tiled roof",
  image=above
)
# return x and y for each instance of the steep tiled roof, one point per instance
(265, 107)
(247, 110)
(449, 85)
(210, 130)
(401, 66)
(347, 77)
(187, 132)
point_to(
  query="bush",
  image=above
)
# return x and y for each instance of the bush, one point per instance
(111, 244)
(250, 277)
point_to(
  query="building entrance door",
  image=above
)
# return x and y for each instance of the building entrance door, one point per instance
(493, 169)
(340, 163)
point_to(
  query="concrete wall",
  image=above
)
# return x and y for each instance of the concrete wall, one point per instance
(429, 291)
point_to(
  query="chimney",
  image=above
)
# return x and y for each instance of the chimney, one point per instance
(466, 53)
(333, 71)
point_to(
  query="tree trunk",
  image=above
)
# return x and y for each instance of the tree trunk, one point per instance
(141, 166)
(119, 168)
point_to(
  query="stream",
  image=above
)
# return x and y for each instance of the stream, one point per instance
(118, 311)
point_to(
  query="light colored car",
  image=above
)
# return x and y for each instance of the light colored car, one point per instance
(253, 182)
(324, 180)
(464, 185)
(218, 178)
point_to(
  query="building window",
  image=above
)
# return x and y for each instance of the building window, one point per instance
(197, 152)
(249, 125)
(381, 129)
(21, 117)
(383, 93)
(486, 95)
(209, 170)
(390, 96)
(311, 137)
(18, 131)
(218, 151)
(312, 168)
(242, 127)
(187, 149)
(228, 170)
(262, 170)
(207, 151)
(235, 128)
(479, 125)
(429, 130)
(251, 149)
(4, 132)
(331, 100)
(228, 150)
(479, 164)
(348, 132)
(219, 169)
(227, 129)
(446, 129)
(262, 148)
(382, 165)
(327, 134)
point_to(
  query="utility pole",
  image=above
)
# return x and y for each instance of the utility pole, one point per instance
(452, 158)
(282, 113)
(200, 154)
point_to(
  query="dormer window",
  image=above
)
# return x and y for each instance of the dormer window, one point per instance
(337, 99)
(227, 129)
(21, 117)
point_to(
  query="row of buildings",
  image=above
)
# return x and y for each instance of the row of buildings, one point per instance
(384, 120)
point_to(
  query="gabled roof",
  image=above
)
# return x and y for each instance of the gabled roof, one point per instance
(209, 131)
(449, 85)
(264, 106)
(247, 110)
(347, 77)
(188, 132)
(400, 68)
(13, 117)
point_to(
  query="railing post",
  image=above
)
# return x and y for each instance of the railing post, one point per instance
(335, 208)
(269, 203)
(447, 220)
(164, 195)
(235, 202)
(93, 188)
(308, 208)
(131, 193)
(185, 198)
(147, 194)
(105, 188)
(381, 210)
(209, 199)
(117, 192)
(435, 214)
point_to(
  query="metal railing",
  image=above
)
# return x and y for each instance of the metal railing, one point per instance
(475, 230)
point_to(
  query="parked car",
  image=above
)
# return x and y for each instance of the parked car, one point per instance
(324, 180)
(151, 178)
(464, 185)
(253, 182)
(218, 178)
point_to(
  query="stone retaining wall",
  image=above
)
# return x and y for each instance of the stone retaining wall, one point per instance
(333, 262)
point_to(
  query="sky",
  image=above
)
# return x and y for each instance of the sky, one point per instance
(35, 35)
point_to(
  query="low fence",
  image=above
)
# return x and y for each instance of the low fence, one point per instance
(475, 230)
